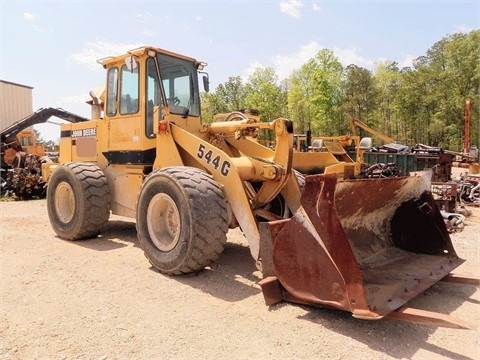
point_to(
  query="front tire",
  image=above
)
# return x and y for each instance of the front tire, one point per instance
(78, 200)
(181, 219)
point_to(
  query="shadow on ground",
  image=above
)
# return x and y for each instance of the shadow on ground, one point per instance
(114, 235)
(396, 338)
(233, 277)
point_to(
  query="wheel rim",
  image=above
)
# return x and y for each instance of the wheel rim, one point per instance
(163, 222)
(64, 202)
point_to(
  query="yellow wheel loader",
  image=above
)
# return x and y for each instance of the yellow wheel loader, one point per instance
(364, 246)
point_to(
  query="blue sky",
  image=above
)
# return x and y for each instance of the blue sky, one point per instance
(53, 45)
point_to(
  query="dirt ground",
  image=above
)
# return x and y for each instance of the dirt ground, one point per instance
(100, 299)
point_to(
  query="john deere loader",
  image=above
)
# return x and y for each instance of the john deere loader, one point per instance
(364, 246)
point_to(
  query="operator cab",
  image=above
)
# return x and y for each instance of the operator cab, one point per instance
(150, 77)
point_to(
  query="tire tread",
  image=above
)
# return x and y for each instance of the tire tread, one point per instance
(209, 211)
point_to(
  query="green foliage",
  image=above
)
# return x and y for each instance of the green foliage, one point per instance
(263, 94)
(211, 105)
(299, 97)
(386, 83)
(359, 96)
(231, 95)
(422, 104)
(315, 95)
(226, 98)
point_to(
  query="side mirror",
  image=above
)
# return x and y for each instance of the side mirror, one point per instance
(206, 83)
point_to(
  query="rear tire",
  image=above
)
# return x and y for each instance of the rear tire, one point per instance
(181, 219)
(78, 200)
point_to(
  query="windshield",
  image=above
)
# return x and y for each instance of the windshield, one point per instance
(180, 82)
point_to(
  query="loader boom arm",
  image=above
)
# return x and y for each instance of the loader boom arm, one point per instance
(354, 123)
(38, 117)
(273, 168)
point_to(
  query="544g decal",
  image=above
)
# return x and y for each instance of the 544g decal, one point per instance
(210, 158)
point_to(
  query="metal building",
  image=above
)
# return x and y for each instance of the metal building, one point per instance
(15, 102)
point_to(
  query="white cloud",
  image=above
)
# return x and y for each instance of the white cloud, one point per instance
(143, 17)
(284, 65)
(351, 56)
(464, 29)
(92, 51)
(32, 17)
(29, 16)
(147, 33)
(316, 7)
(407, 61)
(43, 29)
(251, 68)
(291, 8)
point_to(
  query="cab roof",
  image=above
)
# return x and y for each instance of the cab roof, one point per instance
(141, 51)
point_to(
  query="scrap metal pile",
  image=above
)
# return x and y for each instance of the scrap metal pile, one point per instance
(381, 170)
(24, 181)
(22, 177)
(468, 189)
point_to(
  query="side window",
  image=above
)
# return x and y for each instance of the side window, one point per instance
(25, 141)
(179, 79)
(177, 91)
(129, 90)
(182, 90)
(112, 81)
(154, 97)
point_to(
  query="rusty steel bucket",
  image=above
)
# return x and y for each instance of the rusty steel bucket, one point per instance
(365, 246)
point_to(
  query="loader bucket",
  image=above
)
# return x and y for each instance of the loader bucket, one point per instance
(365, 246)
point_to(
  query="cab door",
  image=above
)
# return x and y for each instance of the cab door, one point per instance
(123, 110)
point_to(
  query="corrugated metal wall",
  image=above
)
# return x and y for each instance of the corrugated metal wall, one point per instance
(15, 102)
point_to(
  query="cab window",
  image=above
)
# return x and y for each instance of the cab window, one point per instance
(26, 141)
(179, 77)
(129, 89)
(112, 90)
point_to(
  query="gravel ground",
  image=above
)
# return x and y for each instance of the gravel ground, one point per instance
(100, 299)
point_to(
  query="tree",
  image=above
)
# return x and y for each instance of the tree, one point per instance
(211, 105)
(231, 94)
(327, 96)
(265, 95)
(442, 80)
(314, 96)
(227, 97)
(410, 103)
(299, 97)
(359, 94)
(386, 83)
(420, 104)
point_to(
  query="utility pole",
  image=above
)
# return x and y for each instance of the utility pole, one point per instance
(466, 142)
